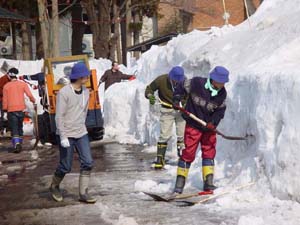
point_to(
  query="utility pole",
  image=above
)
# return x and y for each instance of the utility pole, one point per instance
(55, 29)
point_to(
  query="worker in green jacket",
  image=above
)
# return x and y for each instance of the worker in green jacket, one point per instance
(165, 85)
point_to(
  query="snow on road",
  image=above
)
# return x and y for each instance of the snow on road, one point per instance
(114, 182)
(121, 174)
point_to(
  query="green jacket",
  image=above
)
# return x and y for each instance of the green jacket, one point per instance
(164, 87)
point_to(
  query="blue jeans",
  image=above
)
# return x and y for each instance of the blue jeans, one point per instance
(82, 146)
(16, 123)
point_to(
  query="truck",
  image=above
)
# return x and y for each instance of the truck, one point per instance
(56, 72)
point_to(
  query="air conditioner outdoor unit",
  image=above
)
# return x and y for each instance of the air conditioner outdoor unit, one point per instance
(5, 50)
(87, 44)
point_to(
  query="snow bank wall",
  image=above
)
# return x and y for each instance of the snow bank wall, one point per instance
(263, 94)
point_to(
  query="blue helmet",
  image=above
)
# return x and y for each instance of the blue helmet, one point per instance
(177, 74)
(219, 74)
(79, 70)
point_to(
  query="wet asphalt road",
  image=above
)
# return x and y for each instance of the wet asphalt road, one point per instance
(26, 200)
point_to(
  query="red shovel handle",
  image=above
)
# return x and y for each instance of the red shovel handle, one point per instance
(210, 192)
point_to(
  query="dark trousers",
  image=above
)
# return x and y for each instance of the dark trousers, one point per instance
(82, 146)
(16, 123)
(44, 127)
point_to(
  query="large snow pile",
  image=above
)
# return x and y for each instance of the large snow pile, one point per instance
(263, 96)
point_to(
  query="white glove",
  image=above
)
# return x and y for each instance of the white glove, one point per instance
(65, 143)
(5, 116)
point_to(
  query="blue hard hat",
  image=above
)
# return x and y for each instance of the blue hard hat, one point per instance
(177, 73)
(219, 74)
(79, 70)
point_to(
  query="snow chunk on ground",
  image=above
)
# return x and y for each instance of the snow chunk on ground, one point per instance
(251, 220)
(152, 186)
(126, 221)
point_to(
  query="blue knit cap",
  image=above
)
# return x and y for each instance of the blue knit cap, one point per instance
(79, 70)
(219, 74)
(177, 73)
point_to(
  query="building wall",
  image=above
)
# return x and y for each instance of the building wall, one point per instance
(206, 13)
(210, 12)
(168, 16)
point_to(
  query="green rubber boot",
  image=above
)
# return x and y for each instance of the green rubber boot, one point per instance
(161, 152)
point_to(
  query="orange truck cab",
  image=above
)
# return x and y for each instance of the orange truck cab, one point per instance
(57, 71)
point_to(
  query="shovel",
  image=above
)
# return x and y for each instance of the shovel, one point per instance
(36, 126)
(203, 123)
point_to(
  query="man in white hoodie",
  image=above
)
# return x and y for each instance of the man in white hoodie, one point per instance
(71, 113)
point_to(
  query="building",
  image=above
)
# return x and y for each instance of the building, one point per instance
(186, 15)
(182, 16)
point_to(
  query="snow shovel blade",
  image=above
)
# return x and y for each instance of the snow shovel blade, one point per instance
(174, 197)
(157, 197)
(213, 197)
(184, 203)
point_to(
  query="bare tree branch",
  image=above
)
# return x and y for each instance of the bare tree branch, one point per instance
(105, 4)
(123, 5)
(133, 6)
(69, 6)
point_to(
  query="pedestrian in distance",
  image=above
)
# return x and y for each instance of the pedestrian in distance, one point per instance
(14, 104)
(114, 75)
(44, 135)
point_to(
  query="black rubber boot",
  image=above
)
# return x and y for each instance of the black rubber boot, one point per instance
(208, 183)
(180, 183)
(161, 152)
(54, 188)
(18, 148)
(182, 174)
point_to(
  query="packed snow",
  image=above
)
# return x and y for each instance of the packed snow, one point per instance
(262, 56)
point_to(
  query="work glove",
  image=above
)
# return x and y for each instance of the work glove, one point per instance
(152, 99)
(210, 126)
(65, 143)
